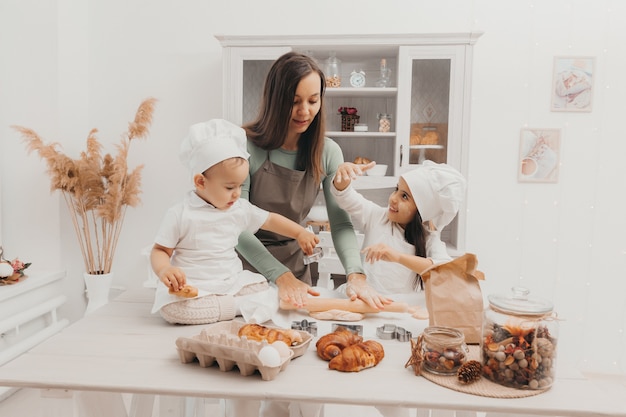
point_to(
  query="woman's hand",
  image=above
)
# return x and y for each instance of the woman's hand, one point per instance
(292, 290)
(347, 172)
(357, 287)
(307, 241)
(380, 252)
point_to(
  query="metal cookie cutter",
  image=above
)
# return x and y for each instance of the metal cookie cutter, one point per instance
(307, 326)
(354, 328)
(317, 254)
(391, 331)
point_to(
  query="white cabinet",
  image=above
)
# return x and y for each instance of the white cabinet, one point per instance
(28, 314)
(428, 96)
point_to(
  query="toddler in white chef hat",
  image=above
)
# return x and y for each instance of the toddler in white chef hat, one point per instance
(194, 252)
(438, 191)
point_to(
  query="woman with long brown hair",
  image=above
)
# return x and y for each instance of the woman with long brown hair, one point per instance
(289, 158)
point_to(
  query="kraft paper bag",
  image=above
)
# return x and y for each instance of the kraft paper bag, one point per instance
(453, 296)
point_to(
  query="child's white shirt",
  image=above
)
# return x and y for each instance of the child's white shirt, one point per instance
(204, 240)
(386, 277)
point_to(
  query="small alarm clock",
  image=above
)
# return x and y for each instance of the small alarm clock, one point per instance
(357, 79)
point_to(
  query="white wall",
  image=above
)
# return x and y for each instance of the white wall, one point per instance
(70, 65)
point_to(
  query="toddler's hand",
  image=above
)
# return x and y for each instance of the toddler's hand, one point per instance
(307, 241)
(173, 278)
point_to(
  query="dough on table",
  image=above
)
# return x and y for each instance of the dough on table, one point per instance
(335, 314)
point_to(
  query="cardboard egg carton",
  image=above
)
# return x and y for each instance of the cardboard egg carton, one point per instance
(219, 342)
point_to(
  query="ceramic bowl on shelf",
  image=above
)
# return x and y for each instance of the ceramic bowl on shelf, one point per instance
(378, 170)
(318, 213)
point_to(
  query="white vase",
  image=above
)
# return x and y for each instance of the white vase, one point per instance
(97, 288)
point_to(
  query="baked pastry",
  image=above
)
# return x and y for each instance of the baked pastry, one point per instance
(187, 292)
(259, 332)
(331, 344)
(355, 358)
(430, 138)
(335, 314)
(361, 160)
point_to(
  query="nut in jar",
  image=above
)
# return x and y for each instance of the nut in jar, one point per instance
(519, 341)
(443, 350)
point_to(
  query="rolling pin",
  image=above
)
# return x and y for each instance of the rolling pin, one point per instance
(314, 304)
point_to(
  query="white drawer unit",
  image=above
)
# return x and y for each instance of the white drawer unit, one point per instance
(28, 314)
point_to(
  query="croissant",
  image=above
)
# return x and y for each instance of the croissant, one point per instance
(331, 344)
(357, 357)
(259, 333)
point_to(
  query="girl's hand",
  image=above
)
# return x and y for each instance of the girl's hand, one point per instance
(307, 241)
(173, 278)
(357, 287)
(380, 252)
(292, 290)
(347, 172)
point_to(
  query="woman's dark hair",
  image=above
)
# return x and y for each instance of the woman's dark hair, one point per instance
(270, 128)
(415, 234)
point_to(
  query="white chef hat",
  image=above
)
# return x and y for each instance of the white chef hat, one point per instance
(438, 191)
(212, 142)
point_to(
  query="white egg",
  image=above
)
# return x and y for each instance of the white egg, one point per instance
(282, 348)
(6, 270)
(269, 356)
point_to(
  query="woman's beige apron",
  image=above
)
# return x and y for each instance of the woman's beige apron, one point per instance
(288, 192)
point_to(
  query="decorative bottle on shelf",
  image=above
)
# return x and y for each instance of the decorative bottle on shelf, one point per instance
(333, 70)
(385, 74)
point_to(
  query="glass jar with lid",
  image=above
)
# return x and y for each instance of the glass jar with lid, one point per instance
(443, 350)
(384, 122)
(519, 340)
(332, 71)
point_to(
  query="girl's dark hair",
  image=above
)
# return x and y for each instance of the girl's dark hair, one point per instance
(415, 234)
(270, 128)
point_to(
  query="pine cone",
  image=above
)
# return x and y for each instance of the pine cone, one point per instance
(469, 372)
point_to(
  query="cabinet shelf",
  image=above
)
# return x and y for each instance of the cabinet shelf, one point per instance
(342, 134)
(361, 91)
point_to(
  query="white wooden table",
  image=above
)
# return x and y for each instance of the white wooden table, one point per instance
(122, 348)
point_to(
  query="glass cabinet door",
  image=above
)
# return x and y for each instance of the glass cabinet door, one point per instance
(244, 72)
(431, 92)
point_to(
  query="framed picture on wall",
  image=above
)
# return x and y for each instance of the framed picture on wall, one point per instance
(539, 151)
(572, 84)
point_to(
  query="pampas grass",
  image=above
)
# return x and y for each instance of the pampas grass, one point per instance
(97, 189)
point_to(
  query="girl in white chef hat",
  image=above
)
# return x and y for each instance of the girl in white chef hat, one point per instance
(194, 252)
(404, 238)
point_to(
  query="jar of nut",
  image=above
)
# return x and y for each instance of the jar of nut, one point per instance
(443, 350)
(519, 341)
(333, 70)
(384, 122)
